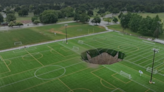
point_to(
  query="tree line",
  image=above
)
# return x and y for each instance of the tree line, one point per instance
(146, 26)
(113, 6)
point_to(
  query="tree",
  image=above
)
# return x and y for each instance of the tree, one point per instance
(34, 18)
(18, 24)
(36, 22)
(48, 16)
(96, 20)
(10, 17)
(23, 12)
(108, 20)
(125, 20)
(84, 18)
(115, 20)
(11, 24)
(90, 13)
(120, 15)
(134, 22)
(1, 18)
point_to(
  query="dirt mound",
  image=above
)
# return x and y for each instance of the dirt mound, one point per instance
(103, 58)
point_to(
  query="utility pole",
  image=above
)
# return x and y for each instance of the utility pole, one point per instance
(66, 32)
(155, 51)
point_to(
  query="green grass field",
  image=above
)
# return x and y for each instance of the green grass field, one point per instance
(57, 67)
(44, 33)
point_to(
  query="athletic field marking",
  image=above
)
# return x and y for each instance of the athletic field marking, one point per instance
(87, 90)
(54, 41)
(23, 57)
(61, 67)
(130, 79)
(34, 57)
(101, 82)
(9, 63)
(113, 75)
(33, 77)
(117, 89)
(148, 42)
(65, 85)
(5, 63)
(101, 79)
(52, 80)
(130, 47)
(144, 74)
(36, 68)
(55, 51)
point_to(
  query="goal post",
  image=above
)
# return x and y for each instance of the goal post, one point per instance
(149, 69)
(75, 48)
(18, 43)
(80, 42)
(122, 73)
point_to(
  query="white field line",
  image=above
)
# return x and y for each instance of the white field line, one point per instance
(148, 42)
(119, 89)
(116, 72)
(134, 64)
(53, 41)
(142, 54)
(128, 59)
(26, 54)
(124, 49)
(35, 77)
(94, 47)
(129, 79)
(154, 61)
(161, 69)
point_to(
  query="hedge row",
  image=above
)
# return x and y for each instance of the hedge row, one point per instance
(96, 52)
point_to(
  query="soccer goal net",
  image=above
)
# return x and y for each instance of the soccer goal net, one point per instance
(75, 48)
(125, 74)
(80, 42)
(18, 43)
(149, 69)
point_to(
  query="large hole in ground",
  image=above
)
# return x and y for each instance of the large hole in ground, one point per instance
(102, 56)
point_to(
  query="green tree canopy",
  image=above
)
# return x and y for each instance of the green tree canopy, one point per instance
(48, 16)
(115, 20)
(96, 19)
(10, 17)
(1, 18)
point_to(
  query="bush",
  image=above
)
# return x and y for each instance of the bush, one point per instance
(36, 22)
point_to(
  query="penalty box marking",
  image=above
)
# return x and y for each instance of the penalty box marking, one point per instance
(5, 63)
(34, 58)
(113, 75)
(101, 79)
(51, 49)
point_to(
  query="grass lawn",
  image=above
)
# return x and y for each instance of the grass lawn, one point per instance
(44, 33)
(119, 28)
(57, 67)
(161, 15)
(24, 18)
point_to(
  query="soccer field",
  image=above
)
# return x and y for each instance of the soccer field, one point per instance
(57, 67)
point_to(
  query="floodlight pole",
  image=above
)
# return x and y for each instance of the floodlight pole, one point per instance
(155, 50)
(66, 32)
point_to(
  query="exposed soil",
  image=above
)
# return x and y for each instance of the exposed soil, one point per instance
(103, 58)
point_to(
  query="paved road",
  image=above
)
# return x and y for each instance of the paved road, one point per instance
(6, 28)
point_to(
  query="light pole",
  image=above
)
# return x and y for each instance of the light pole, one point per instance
(155, 51)
(66, 32)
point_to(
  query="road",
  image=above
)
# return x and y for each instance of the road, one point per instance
(6, 28)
